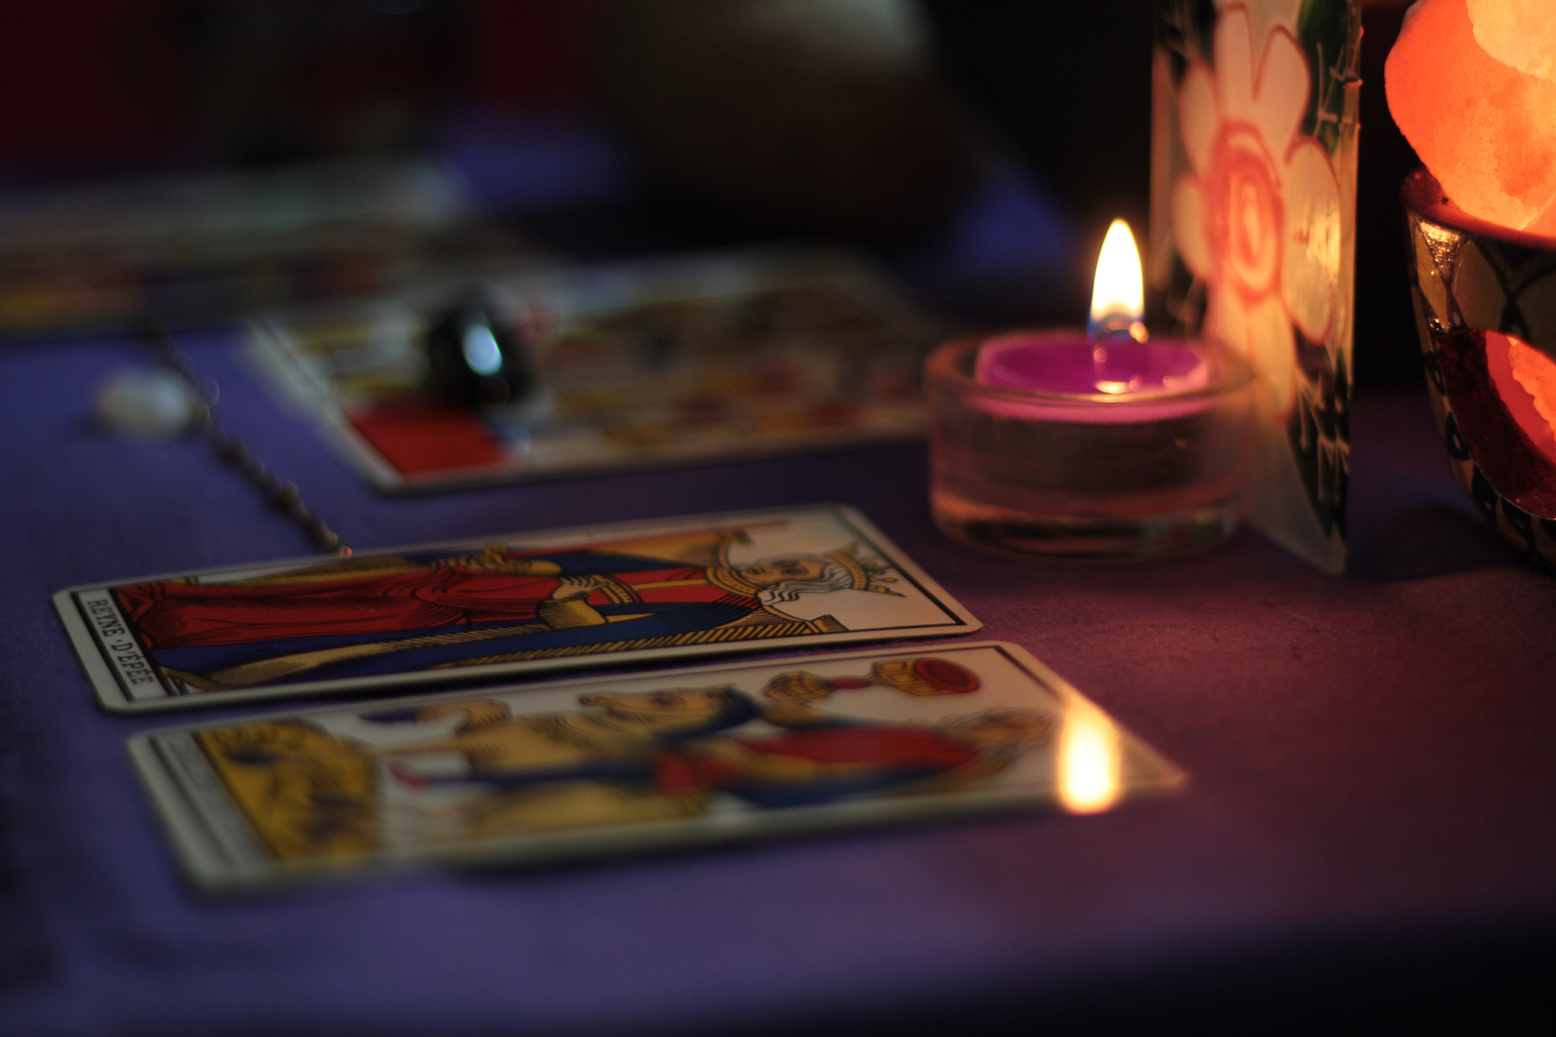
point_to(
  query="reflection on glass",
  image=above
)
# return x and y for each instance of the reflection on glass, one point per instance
(1088, 765)
(481, 350)
(1525, 380)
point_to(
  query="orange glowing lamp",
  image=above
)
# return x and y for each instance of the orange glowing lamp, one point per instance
(1472, 85)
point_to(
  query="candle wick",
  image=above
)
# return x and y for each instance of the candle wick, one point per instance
(1116, 324)
(1115, 328)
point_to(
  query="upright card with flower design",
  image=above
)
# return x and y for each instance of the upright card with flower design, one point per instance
(635, 592)
(637, 762)
(1253, 205)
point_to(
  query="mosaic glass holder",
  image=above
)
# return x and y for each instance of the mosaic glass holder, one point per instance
(1485, 304)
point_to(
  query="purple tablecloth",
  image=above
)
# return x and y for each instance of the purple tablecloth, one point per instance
(1371, 825)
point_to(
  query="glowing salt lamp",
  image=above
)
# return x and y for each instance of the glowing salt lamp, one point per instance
(1520, 33)
(1485, 298)
(1470, 84)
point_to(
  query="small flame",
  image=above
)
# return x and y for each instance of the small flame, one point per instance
(1118, 293)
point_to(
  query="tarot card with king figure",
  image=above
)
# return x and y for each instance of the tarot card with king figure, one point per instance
(637, 762)
(629, 593)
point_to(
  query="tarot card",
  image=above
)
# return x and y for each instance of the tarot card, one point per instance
(636, 592)
(654, 362)
(211, 247)
(635, 763)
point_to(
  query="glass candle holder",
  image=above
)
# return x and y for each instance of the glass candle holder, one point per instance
(1087, 474)
(1485, 306)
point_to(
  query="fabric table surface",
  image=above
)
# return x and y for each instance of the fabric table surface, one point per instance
(1370, 825)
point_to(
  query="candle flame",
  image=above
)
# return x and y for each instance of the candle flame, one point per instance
(1118, 293)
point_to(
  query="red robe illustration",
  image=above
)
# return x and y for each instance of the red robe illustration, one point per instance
(393, 615)
(443, 596)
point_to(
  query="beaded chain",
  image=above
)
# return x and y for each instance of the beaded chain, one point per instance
(283, 496)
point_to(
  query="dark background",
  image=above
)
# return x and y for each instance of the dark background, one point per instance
(96, 89)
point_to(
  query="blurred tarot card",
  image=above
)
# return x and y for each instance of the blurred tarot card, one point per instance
(637, 763)
(657, 362)
(629, 593)
(216, 246)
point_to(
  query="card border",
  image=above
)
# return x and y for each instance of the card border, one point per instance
(182, 817)
(113, 697)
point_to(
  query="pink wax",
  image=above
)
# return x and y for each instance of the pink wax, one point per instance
(1064, 376)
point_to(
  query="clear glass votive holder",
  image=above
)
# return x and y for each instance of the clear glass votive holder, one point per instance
(1088, 475)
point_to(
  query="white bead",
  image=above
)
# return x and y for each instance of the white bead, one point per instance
(150, 403)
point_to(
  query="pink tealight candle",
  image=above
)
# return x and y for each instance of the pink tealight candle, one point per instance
(1098, 443)
(1065, 365)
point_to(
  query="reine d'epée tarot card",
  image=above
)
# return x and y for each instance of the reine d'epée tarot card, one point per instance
(514, 775)
(634, 592)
